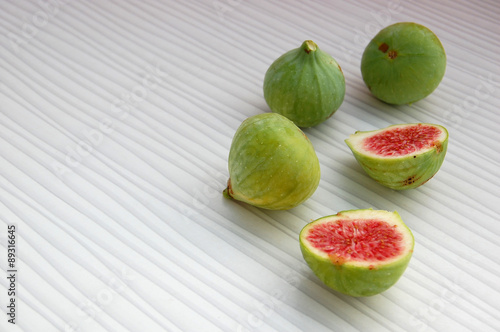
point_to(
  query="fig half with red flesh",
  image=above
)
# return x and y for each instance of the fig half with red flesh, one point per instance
(358, 252)
(401, 156)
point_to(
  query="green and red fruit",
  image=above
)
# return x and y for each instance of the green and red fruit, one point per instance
(272, 163)
(403, 63)
(358, 252)
(401, 156)
(305, 84)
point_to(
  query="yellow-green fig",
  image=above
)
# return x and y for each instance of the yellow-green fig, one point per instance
(272, 164)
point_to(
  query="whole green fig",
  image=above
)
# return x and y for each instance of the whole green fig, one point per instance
(305, 84)
(272, 164)
(403, 63)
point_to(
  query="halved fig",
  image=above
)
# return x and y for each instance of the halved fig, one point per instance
(358, 252)
(402, 156)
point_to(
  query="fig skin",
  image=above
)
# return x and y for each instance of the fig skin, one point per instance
(403, 63)
(351, 278)
(305, 84)
(405, 172)
(272, 164)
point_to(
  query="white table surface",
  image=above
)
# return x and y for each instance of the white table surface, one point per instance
(116, 118)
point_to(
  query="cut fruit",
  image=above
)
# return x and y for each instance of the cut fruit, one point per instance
(358, 252)
(401, 156)
(272, 164)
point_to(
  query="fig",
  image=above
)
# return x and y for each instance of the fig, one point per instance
(402, 156)
(403, 63)
(272, 164)
(358, 252)
(305, 84)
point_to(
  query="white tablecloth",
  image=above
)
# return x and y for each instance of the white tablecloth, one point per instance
(116, 119)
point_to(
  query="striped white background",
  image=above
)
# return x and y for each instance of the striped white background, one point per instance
(116, 119)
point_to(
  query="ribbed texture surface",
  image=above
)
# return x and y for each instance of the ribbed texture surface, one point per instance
(116, 119)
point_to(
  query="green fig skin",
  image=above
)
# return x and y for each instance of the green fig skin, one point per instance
(272, 164)
(403, 63)
(406, 172)
(306, 85)
(352, 279)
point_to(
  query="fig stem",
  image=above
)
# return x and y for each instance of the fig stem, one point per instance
(309, 46)
(226, 194)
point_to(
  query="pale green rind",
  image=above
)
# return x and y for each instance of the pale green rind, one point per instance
(355, 280)
(414, 73)
(305, 84)
(272, 164)
(403, 172)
